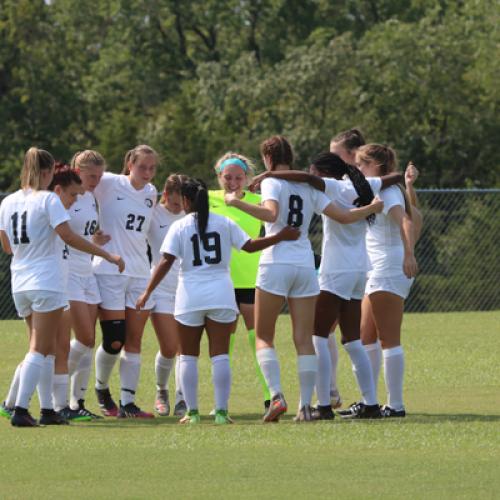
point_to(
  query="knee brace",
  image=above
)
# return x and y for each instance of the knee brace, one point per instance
(113, 330)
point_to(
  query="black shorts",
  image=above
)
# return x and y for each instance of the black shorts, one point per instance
(244, 296)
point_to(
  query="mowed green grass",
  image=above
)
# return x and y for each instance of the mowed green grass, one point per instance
(448, 446)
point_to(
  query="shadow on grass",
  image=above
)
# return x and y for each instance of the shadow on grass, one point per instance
(432, 418)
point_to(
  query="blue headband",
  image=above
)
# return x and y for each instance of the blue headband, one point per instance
(233, 161)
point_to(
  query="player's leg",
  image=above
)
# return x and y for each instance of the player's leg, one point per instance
(369, 338)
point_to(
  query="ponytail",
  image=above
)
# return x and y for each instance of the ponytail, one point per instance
(35, 160)
(197, 193)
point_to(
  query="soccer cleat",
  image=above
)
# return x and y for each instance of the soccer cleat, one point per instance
(323, 413)
(360, 410)
(22, 418)
(106, 404)
(83, 411)
(388, 412)
(192, 417)
(5, 411)
(162, 403)
(277, 407)
(335, 400)
(50, 417)
(131, 410)
(221, 417)
(304, 414)
(74, 415)
(180, 408)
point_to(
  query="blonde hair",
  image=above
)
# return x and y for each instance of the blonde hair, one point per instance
(87, 158)
(250, 172)
(387, 161)
(173, 184)
(133, 155)
(35, 160)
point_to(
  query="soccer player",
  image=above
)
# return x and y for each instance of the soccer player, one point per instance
(287, 271)
(390, 244)
(205, 298)
(31, 222)
(166, 212)
(234, 172)
(126, 204)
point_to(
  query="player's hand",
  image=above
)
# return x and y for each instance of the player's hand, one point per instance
(411, 174)
(410, 266)
(141, 301)
(377, 204)
(230, 198)
(289, 233)
(117, 261)
(99, 238)
(255, 184)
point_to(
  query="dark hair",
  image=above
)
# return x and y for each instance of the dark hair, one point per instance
(133, 155)
(333, 166)
(279, 151)
(64, 176)
(196, 192)
(350, 139)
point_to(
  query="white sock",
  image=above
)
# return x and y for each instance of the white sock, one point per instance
(60, 391)
(374, 352)
(270, 367)
(80, 380)
(221, 378)
(188, 374)
(178, 389)
(104, 363)
(10, 400)
(77, 351)
(323, 378)
(334, 356)
(163, 367)
(362, 371)
(130, 369)
(45, 383)
(307, 366)
(30, 375)
(394, 367)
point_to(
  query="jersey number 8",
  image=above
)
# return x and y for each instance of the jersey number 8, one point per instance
(211, 243)
(295, 215)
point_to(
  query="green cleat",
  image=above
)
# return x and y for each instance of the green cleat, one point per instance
(191, 417)
(5, 411)
(221, 417)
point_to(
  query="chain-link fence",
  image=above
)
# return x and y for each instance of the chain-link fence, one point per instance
(457, 253)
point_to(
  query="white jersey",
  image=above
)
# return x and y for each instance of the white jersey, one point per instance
(162, 220)
(343, 247)
(204, 277)
(383, 238)
(84, 223)
(297, 204)
(29, 219)
(125, 214)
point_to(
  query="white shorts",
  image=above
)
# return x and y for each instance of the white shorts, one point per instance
(287, 280)
(83, 289)
(118, 291)
(398, 285)
(346, 285)
(197, 318)
(39, 301)
(164, 302)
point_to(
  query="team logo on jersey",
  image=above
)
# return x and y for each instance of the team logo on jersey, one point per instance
(148, 202)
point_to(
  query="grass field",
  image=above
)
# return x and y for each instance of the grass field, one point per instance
(447, 447)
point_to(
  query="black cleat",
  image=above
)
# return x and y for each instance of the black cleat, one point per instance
(74, 415)
(87, 413)
(323, 413)
(50, 417)
(180, 408)
(360, 410)
(106, 404)
(22, 418)
(304, 415)
(131, 410)
(388, 412)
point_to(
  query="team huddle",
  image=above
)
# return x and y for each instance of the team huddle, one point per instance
(88, 245)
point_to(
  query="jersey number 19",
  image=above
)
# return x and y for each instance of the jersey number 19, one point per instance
(211, 243)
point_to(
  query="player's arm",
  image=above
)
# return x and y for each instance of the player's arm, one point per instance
(289, 175)
(401, 218)
(74, 240)
(267, 211)
(288, 233)
(159, 272)
(4, 240)
(391, 179)
(355, 214)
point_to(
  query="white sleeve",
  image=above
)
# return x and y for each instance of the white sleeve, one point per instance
(3, 221)
(392, 197)
(375, 184)
(270, 189)
(332, 188)
(56, 211)
(321, 201)
(105, 185)
(172, 242)
(237, 235)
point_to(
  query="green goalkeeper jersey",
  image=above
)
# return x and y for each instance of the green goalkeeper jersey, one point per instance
(244, 265)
